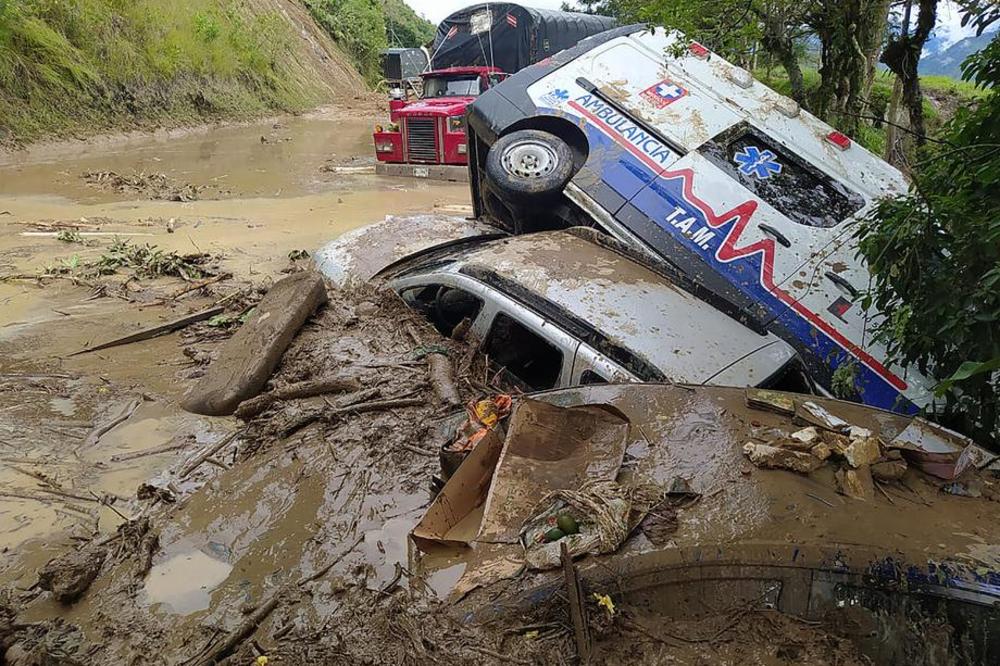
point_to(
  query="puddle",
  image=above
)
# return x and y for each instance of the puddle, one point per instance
(184, 583)
(64, 406)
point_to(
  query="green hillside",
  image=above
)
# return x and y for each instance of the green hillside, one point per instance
(80, 66)
(366, 27)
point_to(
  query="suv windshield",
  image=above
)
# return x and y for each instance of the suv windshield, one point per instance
(453, 86)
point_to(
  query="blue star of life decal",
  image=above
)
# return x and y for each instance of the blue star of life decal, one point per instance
(555, 97)
(758, 163)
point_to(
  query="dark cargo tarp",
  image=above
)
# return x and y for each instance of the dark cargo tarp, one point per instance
(521, 36)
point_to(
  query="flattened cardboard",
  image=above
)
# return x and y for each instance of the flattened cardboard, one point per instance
(454, 517)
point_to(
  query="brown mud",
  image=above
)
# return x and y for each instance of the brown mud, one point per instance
(286, 535)
(263, 193)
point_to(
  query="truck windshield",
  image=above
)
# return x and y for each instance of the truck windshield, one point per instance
(453, 86)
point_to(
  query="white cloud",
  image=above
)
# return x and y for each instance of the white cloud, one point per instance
(437, 10)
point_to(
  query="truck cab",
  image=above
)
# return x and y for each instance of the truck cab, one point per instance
(430, 131)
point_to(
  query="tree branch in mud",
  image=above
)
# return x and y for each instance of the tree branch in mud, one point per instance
(442, 378)
(308, 389)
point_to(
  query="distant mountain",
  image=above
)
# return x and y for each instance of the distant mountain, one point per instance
(948, 62)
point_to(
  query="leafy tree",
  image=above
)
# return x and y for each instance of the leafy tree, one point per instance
(935, 261)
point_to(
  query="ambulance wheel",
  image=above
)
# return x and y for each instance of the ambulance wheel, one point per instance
(529, 166)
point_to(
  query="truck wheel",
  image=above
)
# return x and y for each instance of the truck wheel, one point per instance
(529, 166)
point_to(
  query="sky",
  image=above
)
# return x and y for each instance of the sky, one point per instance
(949, 19)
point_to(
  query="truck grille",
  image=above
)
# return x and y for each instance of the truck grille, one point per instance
(421, 139)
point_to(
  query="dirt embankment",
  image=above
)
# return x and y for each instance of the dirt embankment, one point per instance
(110, 67)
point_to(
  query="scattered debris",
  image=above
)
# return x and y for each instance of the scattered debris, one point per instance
(774, 401)
(863, 451)
(811, 413)
(889, 470)
(777, 457)
(855, 483)
(307, 389)
(151, 185)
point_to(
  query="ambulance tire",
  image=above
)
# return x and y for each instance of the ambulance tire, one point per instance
(529, 167)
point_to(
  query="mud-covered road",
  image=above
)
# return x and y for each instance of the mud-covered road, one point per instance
(250, 196)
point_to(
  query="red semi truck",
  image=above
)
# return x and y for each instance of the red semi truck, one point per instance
(475, 49)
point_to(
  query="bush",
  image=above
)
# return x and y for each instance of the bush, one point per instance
(935, 261)
(359, 27)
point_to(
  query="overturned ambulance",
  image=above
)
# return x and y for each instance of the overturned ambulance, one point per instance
(670, 148)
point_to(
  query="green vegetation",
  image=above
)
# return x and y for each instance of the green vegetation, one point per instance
(935, 260)
(871, 135)
(365, 27)
(71, 65)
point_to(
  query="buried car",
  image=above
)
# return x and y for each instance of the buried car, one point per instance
(669, 148)
(907, 570)
(564, 308)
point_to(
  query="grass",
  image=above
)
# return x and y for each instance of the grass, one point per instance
(952, 92)
(70, 65)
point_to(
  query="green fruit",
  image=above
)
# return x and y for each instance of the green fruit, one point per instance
(554, 535)
(567, 524)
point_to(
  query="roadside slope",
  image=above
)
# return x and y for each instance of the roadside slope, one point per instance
(86, 66)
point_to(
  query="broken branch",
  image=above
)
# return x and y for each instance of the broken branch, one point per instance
(156, 331)
(255, 406)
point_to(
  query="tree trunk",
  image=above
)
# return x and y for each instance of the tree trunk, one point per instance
(898, 141)
(777, 40)
(850, 31)
(902, 56)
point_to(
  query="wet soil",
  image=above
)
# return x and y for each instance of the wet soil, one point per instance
(264, 190)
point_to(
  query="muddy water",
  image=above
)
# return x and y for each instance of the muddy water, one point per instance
(275, 187)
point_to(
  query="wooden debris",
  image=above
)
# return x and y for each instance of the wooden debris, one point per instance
(208, 453)
(442, 378)
(156, 450)
(308, 389)
(577, 609)
(156, 331)
(104, 429)
(195, 286)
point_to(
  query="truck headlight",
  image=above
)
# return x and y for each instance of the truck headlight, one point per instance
(462, 149)
(456, 124)
(384, 147)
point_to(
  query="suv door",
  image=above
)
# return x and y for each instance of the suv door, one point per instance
(590, 367)
(533, 353)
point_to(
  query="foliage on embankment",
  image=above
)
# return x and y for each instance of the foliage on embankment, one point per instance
(365, 27)
(84, 65)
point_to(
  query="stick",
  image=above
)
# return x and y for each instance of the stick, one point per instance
(577, 610)
(208, 453)
(102, 430)
(326, 568)
(166, 448)
(442, 377)
(156, 331)
(257, 405)
(196, 286)
(240, 633)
